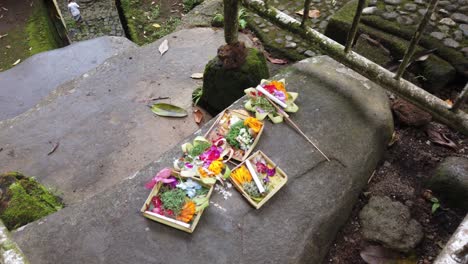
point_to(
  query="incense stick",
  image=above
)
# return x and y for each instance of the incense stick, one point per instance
(296, 127)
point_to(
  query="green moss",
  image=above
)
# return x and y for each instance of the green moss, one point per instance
(140, 29)
(221, 87)
(41, 31)
(24, 200)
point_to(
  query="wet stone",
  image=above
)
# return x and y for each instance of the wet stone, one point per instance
(372, 2)
(279, 41)
(323, 24)
(392, 2)
(289, 38)
(464, 29)
(443, 12)
(451, 43)
(451, 8)
(460, 18)
(411, 7)
(309, 53)
(447, 21)
(390, 15)
(458, 35)
(266, 30)
(438, 35)
(420, 2)
(291, 45)
(404, 20)
(389, 8)
(300, 49)
(444, 3)
(444, 28)
(463, 9)
(261, 25)
(369, 10)
(433, 17)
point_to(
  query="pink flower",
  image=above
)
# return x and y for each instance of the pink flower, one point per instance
(162, 176)
(213, 153)
(280, 95)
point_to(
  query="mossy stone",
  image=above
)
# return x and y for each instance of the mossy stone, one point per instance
(450, 182)
(437, 71)
(24, 200)
(222, 87)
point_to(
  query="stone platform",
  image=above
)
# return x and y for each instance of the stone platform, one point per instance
(345, 113)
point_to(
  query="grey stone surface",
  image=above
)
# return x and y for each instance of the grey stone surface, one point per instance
(450, 181)
(390, 15)
(392, 2)
(202, 15)
(447, 21)
(405, 20)
(420, 2)
(458, 35)
(465, 51)
(460, 18)
(346, 114)
(411, 7)
(390, 223)
(105, 132)
(369, 10)
(464, 29)
(451, 43)
(438, 35)
(25, 85)
(291, 45)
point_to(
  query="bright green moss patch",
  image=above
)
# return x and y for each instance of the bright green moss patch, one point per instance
(24, 200)
(41, 32)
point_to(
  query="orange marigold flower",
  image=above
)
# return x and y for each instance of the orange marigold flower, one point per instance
(187, 213)
(203, 173)
(216, 167)
(253, 123)
(279, 86)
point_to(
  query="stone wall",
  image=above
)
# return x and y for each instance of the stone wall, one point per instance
(101, 18)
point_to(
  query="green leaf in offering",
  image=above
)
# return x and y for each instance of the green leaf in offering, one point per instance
(227, 173)
(208, 180)
(162, 109)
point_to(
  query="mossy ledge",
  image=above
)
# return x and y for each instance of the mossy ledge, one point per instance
(24, 200)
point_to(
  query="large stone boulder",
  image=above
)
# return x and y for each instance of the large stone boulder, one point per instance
(390, 223)
(347, 115)
(222, 87)
(450, 181)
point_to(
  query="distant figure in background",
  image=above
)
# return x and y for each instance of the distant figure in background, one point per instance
(74, 9)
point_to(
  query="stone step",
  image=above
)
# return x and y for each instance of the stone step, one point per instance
(105, 133)
(25, 85)
(347, 115)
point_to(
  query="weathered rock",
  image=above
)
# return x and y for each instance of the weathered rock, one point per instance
(390, 223)
(464, 28)
(465, 51)
(392, 2)
(420, 2)
(411, 7)
(405, 20)
(447, 21)
(202, 15)
(390, 15)
(290, 45)
(306, 213)
(451, 43)
(370, 10)
(409, 114)
(438, 35)
(450, 181)
(458, 35)
(221, 87)
(309, 53)
(460, 18)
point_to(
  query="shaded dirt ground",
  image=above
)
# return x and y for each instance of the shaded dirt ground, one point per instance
(14, 17)
(409, 162)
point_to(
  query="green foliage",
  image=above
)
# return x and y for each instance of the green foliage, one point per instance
(218, 19)
(264, 104)
(242, 18)
(191, 4)
(173, 199)
(234, 132)
(199, 148)
(251, 189)
(40, 31)
(196, 95)
(26, 200)
(141, 19)
(435, 204)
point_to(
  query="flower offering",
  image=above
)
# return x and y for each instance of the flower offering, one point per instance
(260, 99)
(238, 130)
(258, 179)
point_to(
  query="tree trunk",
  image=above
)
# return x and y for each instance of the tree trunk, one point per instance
(231, 21)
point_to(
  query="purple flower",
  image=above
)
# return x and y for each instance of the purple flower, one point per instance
(213, 153)
(188, 165)
(280, 95)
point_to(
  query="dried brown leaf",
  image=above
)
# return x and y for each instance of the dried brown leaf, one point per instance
(312, 13)
(275, 60)
(378, 255)
(197, 115)
(440, 138)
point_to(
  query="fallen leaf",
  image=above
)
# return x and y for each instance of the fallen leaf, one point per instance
(8, 46)
(423, 55)
(164, 47)
(275, 60)
(2, 36)
(197, 75)
(440, 138)
(4, 8)
(16, 62)
(197, 115)
(449, 102)
(156, 25)
(162, 109)
(312, 13)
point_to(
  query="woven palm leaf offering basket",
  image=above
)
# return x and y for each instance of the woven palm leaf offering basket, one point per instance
(240, 131)
(180, 194)
(258, 179)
